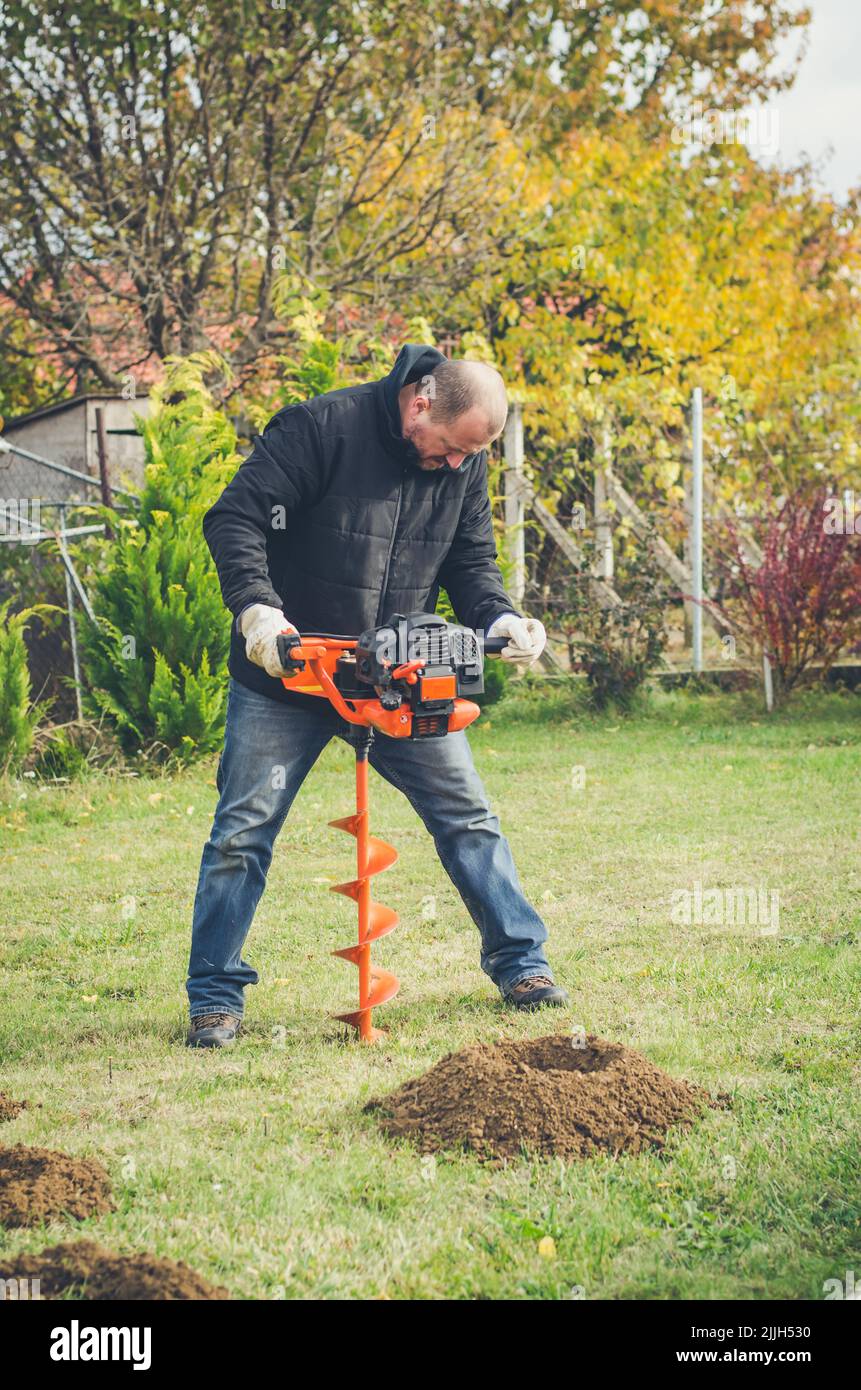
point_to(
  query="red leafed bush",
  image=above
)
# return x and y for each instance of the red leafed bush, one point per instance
(802, 604)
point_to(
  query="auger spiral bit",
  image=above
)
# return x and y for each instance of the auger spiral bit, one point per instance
(376, 986)
(383, 682)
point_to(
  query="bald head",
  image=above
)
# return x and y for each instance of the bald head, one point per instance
(457, 410)
(463, 386)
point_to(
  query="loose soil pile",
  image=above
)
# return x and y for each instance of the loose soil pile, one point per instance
(541, 1096)
(40, 1185)
(99, 1275)
(10, 1108)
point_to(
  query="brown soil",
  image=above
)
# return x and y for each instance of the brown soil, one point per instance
(10, 1108)
(100, 1275)
(541, 1096)
(40, 1185)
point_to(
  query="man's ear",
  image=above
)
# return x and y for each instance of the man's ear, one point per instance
(422, 403)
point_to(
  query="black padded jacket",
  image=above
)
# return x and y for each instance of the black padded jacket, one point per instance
(331, 520)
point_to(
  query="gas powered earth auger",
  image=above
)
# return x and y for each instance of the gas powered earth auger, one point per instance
(405, 680)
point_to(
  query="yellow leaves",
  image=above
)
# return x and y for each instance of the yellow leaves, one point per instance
(667, 474)
(547, 1248)
(476, 346)
(419, 330)
(307, 322)
(187, 374)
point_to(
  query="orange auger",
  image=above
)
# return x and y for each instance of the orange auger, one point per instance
(413, 697)
(375, 920)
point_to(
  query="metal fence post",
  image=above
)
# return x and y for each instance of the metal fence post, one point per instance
(697, 528)
(767, 682)
(514, 501)
(604, 562)
(70, 605)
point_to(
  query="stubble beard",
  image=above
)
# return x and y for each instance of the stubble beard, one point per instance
(427, 465)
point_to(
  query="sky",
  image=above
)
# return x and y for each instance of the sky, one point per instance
(823, 108)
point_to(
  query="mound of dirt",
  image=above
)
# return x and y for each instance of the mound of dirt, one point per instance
(540, 1096)
(40, 1185)
(98, 1275)
(9, 1108)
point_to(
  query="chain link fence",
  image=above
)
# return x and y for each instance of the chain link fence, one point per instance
(44, 505)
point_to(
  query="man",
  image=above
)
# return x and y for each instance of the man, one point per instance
(351, 507)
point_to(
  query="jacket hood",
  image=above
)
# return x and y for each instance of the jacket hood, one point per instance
(414, 361)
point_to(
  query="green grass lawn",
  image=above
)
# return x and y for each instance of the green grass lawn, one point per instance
(258, 1166)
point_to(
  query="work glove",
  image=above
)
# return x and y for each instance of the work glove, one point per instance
(527, 638)
(261, 626)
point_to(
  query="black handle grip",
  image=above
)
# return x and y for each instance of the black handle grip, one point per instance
(492, 646)
(285, 644)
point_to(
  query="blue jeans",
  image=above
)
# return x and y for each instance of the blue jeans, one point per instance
(269, 749)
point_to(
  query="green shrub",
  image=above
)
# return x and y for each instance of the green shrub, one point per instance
(62, 752)
(497, 674)
(156, 663)
(19, 717)
(617, 648)
(59, 755)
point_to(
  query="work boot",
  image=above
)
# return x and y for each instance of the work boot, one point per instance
(213, 1030)
(535, 992)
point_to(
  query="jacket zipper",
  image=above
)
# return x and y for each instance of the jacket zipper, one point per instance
(391, 548)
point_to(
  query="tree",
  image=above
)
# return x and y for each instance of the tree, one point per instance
(28, 377)
(161, 164)
(19, 716)
(156, 660)
(655, 270)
